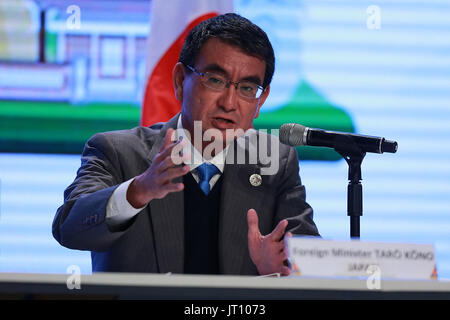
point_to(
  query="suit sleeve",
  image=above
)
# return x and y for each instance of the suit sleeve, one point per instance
(291, 200)
(80, 223)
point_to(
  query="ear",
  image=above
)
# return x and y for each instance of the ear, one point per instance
(178, 74)
(261, 100)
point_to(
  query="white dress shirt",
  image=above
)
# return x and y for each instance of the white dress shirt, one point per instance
(119, 210)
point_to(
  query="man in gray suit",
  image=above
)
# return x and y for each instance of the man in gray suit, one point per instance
(160, 199)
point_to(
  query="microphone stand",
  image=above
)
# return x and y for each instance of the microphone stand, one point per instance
(354, 156)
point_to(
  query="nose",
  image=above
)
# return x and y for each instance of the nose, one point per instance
(228, 100)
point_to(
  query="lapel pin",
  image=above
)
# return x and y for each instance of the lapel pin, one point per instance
(255, 180)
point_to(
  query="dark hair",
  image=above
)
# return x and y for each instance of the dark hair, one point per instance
(235, 30)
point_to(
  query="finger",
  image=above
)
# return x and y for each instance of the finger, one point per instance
(166, 163)
(162, 153)
(173, 187)
(278, 232)
(177, 153)
(167, 154)
(170, 162)
(168, 139)
(285, 271)
(172, 149)
(252, 221)
(172, 173)
(169, 188)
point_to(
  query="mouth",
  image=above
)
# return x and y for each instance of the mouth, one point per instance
(223, 123)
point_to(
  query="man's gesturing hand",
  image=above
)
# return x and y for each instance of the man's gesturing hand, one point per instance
(267, 252)
(156, 181)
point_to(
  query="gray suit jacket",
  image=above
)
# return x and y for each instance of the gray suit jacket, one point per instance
(152, 241)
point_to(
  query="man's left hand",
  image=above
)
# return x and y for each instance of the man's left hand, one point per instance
(268, 253)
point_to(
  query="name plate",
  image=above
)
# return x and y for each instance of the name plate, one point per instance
(353, 258)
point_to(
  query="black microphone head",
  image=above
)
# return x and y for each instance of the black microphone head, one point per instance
(292, 134)
(389, 146)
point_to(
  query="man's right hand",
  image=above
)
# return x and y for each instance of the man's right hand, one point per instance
(156, 181)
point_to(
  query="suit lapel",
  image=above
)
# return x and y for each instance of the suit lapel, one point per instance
(157, 142)
(167, 216)
(233, 228)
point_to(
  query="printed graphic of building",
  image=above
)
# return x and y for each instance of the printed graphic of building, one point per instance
(48, 55)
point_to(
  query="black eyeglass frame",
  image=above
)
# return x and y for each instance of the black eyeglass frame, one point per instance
(228, 82)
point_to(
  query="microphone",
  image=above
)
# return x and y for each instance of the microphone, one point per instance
(294, 134)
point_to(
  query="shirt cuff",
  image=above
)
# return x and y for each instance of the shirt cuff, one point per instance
(118, 209)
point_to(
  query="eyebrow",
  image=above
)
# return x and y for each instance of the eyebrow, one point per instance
(214, 67)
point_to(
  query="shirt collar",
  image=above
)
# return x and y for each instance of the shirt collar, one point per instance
(196, 158)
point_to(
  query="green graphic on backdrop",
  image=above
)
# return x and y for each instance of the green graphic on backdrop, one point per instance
(51, 127)
(309, 108)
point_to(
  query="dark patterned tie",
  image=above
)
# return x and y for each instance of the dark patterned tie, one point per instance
(205, 172)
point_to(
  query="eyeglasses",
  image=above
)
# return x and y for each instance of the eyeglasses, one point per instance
(217, 82)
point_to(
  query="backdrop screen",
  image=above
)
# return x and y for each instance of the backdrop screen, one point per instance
(381, 70)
